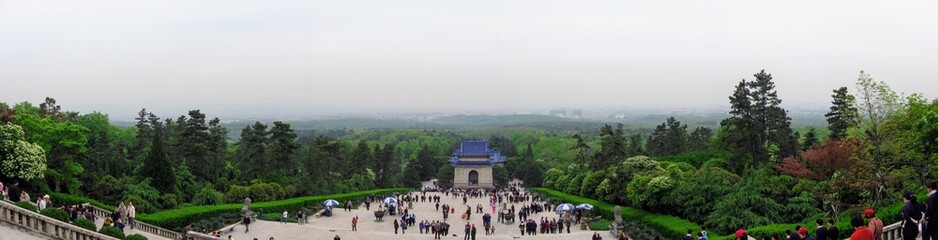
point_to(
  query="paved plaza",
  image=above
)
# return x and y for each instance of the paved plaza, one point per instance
(324, 228)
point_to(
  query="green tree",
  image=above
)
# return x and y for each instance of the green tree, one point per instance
(499, 175)
(186, 183)
(193, 145)
(412, 175)
(635, 145)
(283, 146)
(809, 140)
(252, 150)
(157, 167)
(759, 130)
(699, 139)
(426, 165)
(19, 158)
(843, 114)
(876, 103)
(362, 157)
(669, 138)
(446, 173)
(612, 141)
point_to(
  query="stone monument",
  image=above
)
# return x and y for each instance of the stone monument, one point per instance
(617, 227)
(246, 210)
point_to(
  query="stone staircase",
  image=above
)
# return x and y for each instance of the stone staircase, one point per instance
(11, 232)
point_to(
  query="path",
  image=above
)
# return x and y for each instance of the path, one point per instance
(325, 228)
(127, 231)
(11, 232)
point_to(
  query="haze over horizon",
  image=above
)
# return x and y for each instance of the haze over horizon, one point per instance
(352, 57)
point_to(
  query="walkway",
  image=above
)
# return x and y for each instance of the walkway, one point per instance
(11, 232)
(127, 231)
(326, 228)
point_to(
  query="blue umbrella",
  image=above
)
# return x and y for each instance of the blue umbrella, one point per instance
(586, 206)
(331, 203)
(565, 207)
(390, 200)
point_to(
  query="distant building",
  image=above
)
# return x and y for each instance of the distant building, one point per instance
(558, 113)
(576, 113)
(473, 163)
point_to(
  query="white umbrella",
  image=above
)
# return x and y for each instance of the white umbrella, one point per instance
(586, 206)
(331, 203)
(565, 207)
(390, 200)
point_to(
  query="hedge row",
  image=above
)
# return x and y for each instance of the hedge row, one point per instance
(67, 199)
(176, 218)
(669, 227)
(672, 227)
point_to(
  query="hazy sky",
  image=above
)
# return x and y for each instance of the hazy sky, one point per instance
(361, 56)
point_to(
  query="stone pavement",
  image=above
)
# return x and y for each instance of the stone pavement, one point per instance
(325, 228)
(12, 232)
(127, 231)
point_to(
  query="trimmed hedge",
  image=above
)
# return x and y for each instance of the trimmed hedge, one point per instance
(55, 213)
(135, 237)
(112, 231)
(672, 227)
(27, 206)
(180, 217)
(669, 227)
(68, 199)
(86, 224)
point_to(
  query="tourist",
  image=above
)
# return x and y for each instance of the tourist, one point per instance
(741, 234)
(336, 238)
(596, 236)
(473, 232)
(13, 192)
(911, 216)
(355, 223)
(396, 225)
(41, 203)
(931, 213)
(521, 228)
(421, 227)
(283, 219)
(119, 224)
(24, 197)
(794, 235)
(348, 205)
(860, 232)
(821, 233)
(131, 214)
(875, 224)
(403, 228)
(468, 229)
(247, 222)
(832, 232)
(299, 218)
(689, 235)
(803, 233)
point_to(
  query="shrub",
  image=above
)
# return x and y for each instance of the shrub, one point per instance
(180, 217)
(112, 231)
(601, 224)
(67, 199)
(26, 205)
(86, 224)
(135, 237)
(207, 196)
(55, 213)
(276, 217)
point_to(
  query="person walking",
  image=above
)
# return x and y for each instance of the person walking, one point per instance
(468, 228)
(911, 216)
(473, 232)
(876, 225)
(931, 213)
(247, 223)
(832, 231)
(283, 219)
(131, 215)
(860, 232)
(354, 223)
(396, 225)
(820, 233)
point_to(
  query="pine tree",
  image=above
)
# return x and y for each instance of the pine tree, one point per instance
(810, 139)
(613, 146)
(759, 130)
(699, 139)
(843, 114)
(157, 167)
(362, 157)
(635, 145)
(252, 152)
(283, 146)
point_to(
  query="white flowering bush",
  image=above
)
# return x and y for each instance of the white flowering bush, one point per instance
(18, 158)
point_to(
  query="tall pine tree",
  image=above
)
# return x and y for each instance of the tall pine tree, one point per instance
(758, 130)
(158, 168)
(843, 114)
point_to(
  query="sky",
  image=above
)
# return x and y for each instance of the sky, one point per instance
(231, 57)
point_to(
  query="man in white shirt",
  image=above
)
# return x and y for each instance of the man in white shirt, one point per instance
(41, 203)
(131, 214)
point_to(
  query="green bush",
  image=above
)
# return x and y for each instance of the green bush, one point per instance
(86, 224)
(179, 217)
(55, 213)
(67, 199)
(276, 217)
(112, 231)
(135, 237)
(601, 224)
(26, 205)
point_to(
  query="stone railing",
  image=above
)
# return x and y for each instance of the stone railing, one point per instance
(190, 235)
(44, 225)
(893, 231)
(142, 226)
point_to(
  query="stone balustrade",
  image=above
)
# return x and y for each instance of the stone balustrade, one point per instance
(893, 231)
(38, 223)
(200, 236)
(142, 226)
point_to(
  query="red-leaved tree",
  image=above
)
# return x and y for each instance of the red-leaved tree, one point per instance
(821, 162)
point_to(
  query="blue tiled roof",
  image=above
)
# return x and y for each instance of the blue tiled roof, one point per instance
(476, 149)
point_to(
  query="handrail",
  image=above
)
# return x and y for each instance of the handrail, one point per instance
(142, 226)
(190, 235)
(893, 231)
(45, 225)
